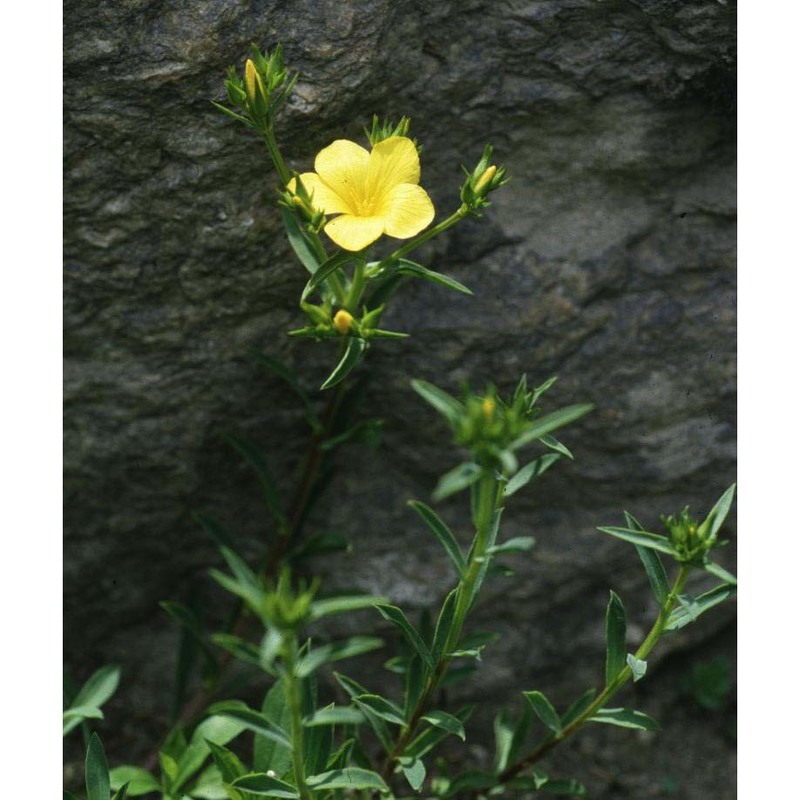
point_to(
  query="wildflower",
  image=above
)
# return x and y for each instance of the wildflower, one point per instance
(371, 192)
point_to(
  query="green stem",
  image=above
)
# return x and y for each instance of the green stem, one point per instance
(296, 717)
(275, 155)
(426, 235)
(622, 677)
(488, 495)
(357, 286)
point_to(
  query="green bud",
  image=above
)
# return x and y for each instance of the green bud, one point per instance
(691, 539)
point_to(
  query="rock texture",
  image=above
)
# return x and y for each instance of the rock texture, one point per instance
(609, 260)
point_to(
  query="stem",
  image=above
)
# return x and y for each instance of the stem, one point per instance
(488, 495)
(612, 688)
(357, 286)
(275, 155)
(293, 699)
(427, 235)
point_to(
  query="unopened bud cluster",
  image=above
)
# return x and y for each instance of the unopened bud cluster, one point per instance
(691, 540)
(484, 179)
(286, 609)
(327, 324)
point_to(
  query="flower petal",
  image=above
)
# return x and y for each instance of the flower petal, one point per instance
(392, 162)
(343, 167)
(322, 196)
(354, 233)
(406, 210)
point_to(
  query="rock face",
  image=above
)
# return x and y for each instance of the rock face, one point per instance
(609, 260)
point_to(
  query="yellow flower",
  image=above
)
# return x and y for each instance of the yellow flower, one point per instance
(373, 193)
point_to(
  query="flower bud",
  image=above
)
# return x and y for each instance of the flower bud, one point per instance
(343, 322)
(488, 406)
(482, 185)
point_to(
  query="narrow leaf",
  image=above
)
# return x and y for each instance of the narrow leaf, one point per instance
(530, 471)
(98, 783)
(300, 244)
(653, 541)
(578, 707)
(458, 478)
(719, 572)
(720, 511)
(334, 715)
(396, 616)
(518, 544)
(324, 271)
(336, 651)
(251, 719)
(444, 624)
(381, 707)
(615, 638)
(443, 534)
(269, 753)
(139, 780)
(98, 688)
(355, 689)
(544, 710)
(447, 405)
(352, 355)
(625, 718)
(264, 785)
(682, 616)
(339, 604)
(351, 778)
(290, 378)
(447, 722)
(417, 270)
(551, 422)
(554, 444)
(656, 573)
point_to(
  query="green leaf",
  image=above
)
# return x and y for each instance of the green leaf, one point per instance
(414, 771)
(652, 564)
(443, 534)
(334, 715)
(447, 722)
(417, 270)
(615, 638)
(121, 794)
(265, 786)
(578, 707)
(638, 667)
(550, 441)
(342, 603)
(719, 572)
(653, 541)
(97, 690)
(336, 651)
(355, 689)
(551, 422)
(431, 737)
(98, 784)
(544, 710)
(300, 244)
(458, 478)
(250, 719)
(228, 764)
(74, 715)
(415, 675)
(691, 608)
(503, 738)
(467, 782)
(395, 615)
(518, 544)
(381, 707)
(444, 625)
(530, 471)
(351, 778)
(447, 405)
(325, 270)
(352, 355)
(564, 786)
(213, 529)
(720, 511)
(139, 780)
(270, 753)
(625, 718)
(244, 651)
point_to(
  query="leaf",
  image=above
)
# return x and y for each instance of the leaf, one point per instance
(334, 715)
(300, 244)
(625, 718)
(653, 541)
(447, 722)
(349, 778)
(260, 783)
(615, 638)
(98, 784)
(469, 781)
(139, 780)
(447, 405)
(443, 534)
(244, 651)
(381, 707)
(544, 710)
(530, 471)
(564, 786)
(652, 564)
(336, 651)
(503, 738)
(396, 616)
(682, 616)
(458, 478)
(325, 270)
(518, 544)
(638, 667)
(719, 572)
(337, 605)
(431, 737)
(228, 764)
(444, 625)
(268, 752)
(353, 353)
(551, 422)
(74, 715)
(355, 689)
(417, 270)
(578, 707)
(252, 720)
(720, 511)
(550, 441)
(414, 771)
(98, 689)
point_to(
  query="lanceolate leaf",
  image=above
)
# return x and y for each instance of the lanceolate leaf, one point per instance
(444, 624)
(720, 511)
(578, 707)
(443, 534)
(334, 715)
(336, 651)
(654, 541)
(458, 478)
(326, 270)
(719, 572)
(398, 618)
(353, 353)
(615, 638)
(447, 722)
(530, 471)
(139, 781)
(447, 405)
(300, 244)
(98, 783)
(544, 710)
(417, 270)
(264, 785)
(252, 720)
(551, 422)
(351, 778)
(652, 564)
(382, 707)
(682, 615)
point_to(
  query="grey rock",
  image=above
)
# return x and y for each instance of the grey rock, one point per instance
(609, 259)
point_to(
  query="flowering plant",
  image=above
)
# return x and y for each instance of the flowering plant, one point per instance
(319, 733)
